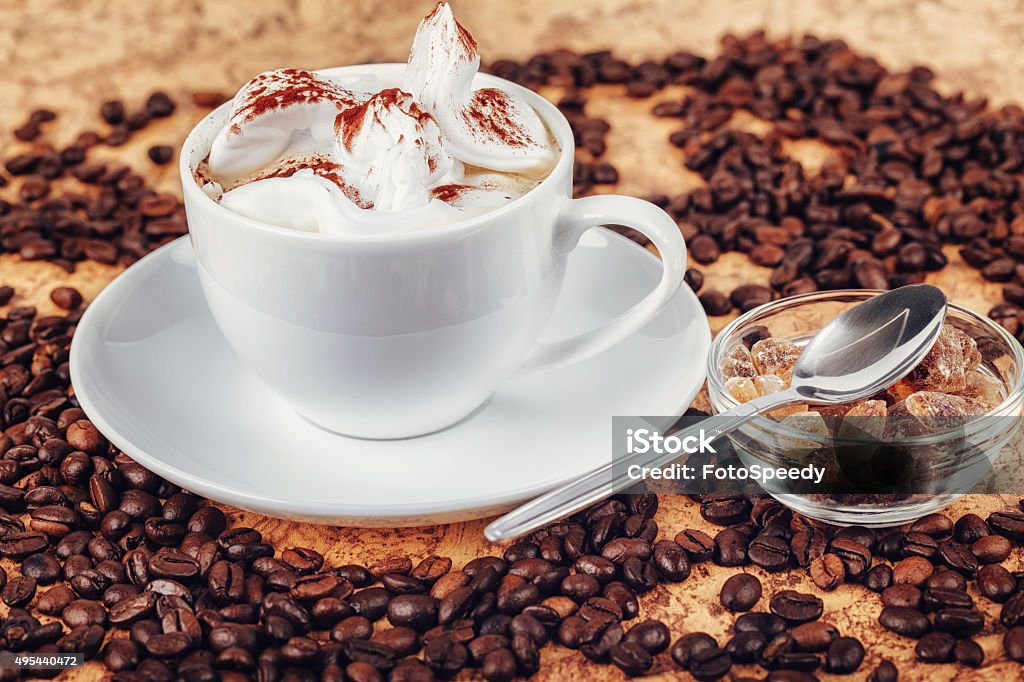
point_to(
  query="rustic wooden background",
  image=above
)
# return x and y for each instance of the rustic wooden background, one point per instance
(72, 55)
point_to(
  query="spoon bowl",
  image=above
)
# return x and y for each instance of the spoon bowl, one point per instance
(870, 346)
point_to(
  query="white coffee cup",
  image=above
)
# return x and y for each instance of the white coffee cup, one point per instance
(399, 335)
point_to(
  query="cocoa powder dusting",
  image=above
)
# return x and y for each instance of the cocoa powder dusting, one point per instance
(490, 112)
(350, 121)
(322, 167)
(449, 193)
(466, 40)
(283, 89)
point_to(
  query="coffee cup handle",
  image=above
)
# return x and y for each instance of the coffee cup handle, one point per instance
(578, 216)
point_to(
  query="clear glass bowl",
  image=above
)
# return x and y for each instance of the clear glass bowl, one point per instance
(946, 465)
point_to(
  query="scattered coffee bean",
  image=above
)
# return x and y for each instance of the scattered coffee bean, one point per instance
(844, 656)
(740, 592)
(160, 154)
(827, 572)
(935, 647)
(66, 298)
(905, 621)
(796, 607)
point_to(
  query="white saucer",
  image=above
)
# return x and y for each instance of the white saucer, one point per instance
(153, 372)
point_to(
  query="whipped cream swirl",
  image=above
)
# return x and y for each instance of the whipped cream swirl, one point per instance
(320, 154)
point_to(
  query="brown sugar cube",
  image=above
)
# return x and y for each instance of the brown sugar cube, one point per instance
(864, 418)
(942, 370)
(983, 388)
(741, 388)
(775, 356)
(969, 348)
(738, 363)
(932, 404)
(867, 408)
(768, 384)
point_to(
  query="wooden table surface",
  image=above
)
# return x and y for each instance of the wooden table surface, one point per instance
(72, 56)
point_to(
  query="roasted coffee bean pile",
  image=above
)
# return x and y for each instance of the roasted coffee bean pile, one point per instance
(912, 169)
(67, 210)
(108, 559)
(103, 557)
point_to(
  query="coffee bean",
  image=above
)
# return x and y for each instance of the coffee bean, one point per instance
(83, 612)
(129, 611)
(597, 567)
(18, 591)
(796, 607)
(730, 548)
(53, 601)
(878, 578)
(709, 664)
(621, 549)
(935, 647)
(208, 520)
(67, 298)
(936, 598)
(814, 637)
(715, 303)
(687, 646)
(499, 666)
(43, 568)
(704, 249)
(807, 545)
(991, 549)
(121, 654)
(167, 645)
(740, 592)
(446, 656)
(996, 583)
(623, 597)
(694, 279)
(827, 572)
(905, 621)
(417, 611)
(671, 561)
(936, 525)
(698, 545)
(1013, 643)
(360, 671)
(970, 528)
(959, 558)
(652, 635)
(1009, 524)
(913, 570)
(112, 112)
(969, 653)
(855, 556)
(160, 154)
(749, 296)
(17, 546)
(960, 622)
(159, 104)
(885, 672)
(844, 656)
(769, 552)
(901, 595)
(746, 647)
(758, 621)
(173, 565)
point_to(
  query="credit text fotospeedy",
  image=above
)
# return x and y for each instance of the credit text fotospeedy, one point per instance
(643, 441)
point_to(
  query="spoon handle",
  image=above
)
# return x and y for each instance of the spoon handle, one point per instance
(613, 477)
